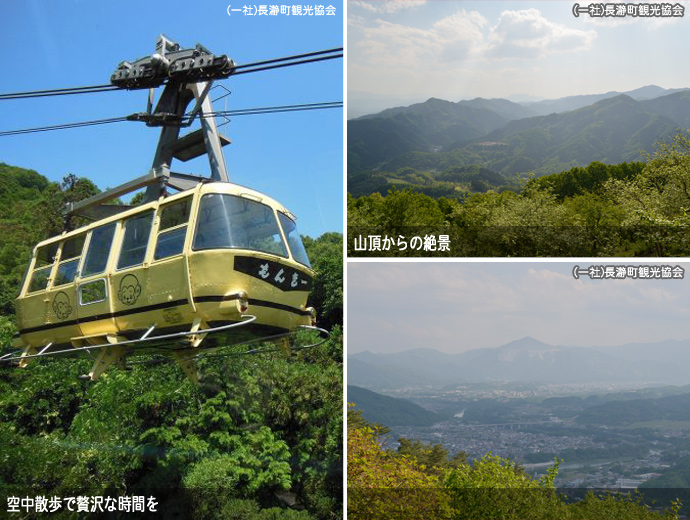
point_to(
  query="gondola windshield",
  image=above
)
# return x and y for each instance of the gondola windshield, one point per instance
(228, 221)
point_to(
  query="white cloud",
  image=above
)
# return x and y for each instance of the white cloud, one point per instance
(410, 53)
(397, 45)
(528, 34)
(389, 7)
(453, 38)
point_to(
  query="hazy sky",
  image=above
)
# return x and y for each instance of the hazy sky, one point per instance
(454, 306)
(461, 49)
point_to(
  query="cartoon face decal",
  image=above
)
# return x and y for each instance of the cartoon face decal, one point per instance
(61, 305)
(129, 289)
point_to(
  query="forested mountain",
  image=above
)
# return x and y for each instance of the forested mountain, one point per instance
(364, 104)
(420, 127)
(507, 109)
(259, 438)
(674, 106)
(389, 411)
(611, 130)
(528, 360)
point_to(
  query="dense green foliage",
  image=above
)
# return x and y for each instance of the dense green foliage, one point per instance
(434, 457)
(29, 212)
(381, 484)
(326, 254)
(601, 210)
(259, 438)
(254, 429)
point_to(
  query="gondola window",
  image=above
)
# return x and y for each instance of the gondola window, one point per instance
(173, 229)
(45, 256)
(92, 292)
(69, 260)
(294, 240)
(137, 230)
(98, 250)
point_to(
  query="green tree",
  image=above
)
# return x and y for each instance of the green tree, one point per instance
(326, 255)
(383, 485)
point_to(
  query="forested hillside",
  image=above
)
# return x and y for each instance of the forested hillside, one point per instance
(29, 212)
(382, 409)
(508, 138)
(627, 209)
(259, 438)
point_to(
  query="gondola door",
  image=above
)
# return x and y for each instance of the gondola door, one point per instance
(129, 281)
(94, 311)
(169, 295)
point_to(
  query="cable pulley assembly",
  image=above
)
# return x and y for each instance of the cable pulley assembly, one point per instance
(171, 62)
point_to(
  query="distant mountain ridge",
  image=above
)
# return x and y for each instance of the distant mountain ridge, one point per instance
(505, 137)
(528, 107)
(568, 103)
(526, 360)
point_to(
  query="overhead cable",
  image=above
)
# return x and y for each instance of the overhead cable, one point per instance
(237, 112)
(257, 66)
(64, 126)
(59, 92)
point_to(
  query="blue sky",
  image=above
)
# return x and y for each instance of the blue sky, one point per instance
(458, 306)
(410, 50)
(295, 158)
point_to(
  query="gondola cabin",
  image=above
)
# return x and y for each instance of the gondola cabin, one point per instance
(212, 265)
(218, 258)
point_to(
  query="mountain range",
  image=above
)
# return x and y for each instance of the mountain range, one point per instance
(526, 360)
(543, 137)
(365, 103)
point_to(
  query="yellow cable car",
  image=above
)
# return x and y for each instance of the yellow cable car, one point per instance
(212, 265)
(188, 265)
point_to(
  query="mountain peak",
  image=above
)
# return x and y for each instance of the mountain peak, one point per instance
(527, 343)
(436, 100)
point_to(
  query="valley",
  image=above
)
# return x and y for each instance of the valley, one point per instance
(618, 417)
(533, 425)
